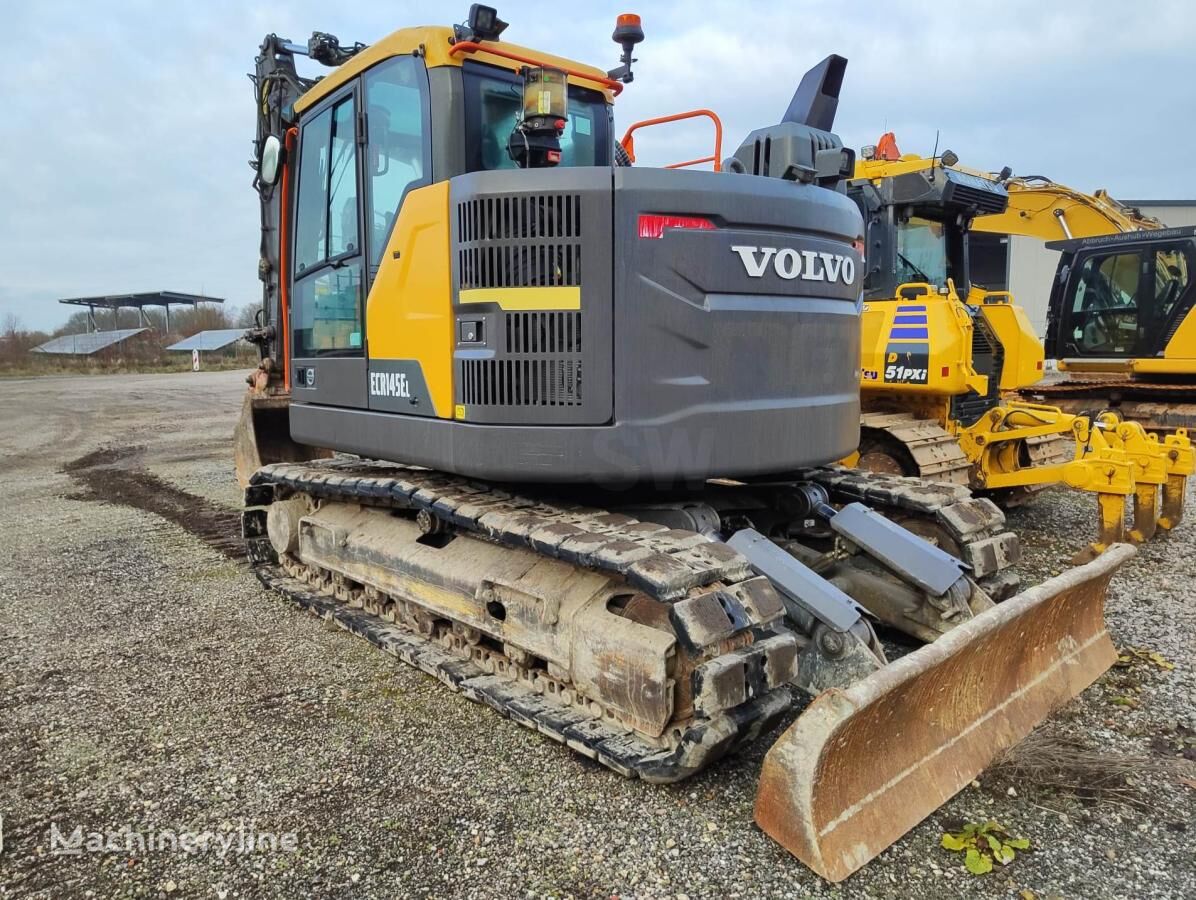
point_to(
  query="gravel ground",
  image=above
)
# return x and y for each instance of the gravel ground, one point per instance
(147, 682)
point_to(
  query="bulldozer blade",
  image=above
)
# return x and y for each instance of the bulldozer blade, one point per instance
(263, 436)
(865, 764)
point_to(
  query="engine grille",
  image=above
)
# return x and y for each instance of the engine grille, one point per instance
(543, 332)
(988, 358)
(540, 363)
(519, 241)
(521, 382)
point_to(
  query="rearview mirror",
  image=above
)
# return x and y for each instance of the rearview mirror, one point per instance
(267, 167)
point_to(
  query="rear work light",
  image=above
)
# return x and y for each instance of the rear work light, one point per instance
(653, 225)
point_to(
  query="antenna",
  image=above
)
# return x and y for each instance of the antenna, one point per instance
(933, 155)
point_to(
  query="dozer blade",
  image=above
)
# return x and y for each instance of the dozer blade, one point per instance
(263, 436)
(866, 763)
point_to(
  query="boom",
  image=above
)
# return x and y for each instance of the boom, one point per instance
(1041, 208)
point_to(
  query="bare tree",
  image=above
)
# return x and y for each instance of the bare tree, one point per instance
(12, 328)
(247, 316)
(76, 324)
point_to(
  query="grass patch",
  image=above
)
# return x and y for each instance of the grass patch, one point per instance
(1049, 760)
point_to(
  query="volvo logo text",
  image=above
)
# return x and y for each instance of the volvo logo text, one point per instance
(808, 265)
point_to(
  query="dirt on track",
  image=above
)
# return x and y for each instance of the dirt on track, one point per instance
(149, 685)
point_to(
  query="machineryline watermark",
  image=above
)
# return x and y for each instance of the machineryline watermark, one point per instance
(66, 840)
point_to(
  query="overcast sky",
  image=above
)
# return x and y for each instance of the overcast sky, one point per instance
(124, 160)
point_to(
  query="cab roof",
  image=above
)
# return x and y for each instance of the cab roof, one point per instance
(435, 42)
(1148, 235)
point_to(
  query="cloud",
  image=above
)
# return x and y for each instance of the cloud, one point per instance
(128, 127)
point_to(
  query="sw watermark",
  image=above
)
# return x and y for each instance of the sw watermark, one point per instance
(65, 840)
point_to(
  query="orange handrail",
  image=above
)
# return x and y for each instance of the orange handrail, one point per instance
(610, 84)
(628, 141)
(695, 162)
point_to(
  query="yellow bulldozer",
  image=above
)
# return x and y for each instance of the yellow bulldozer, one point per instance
(941, 356)
(576, 420)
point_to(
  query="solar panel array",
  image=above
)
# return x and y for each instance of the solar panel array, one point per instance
(86, 344)
(213, 339)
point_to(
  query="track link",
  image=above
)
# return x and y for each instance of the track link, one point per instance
(515, 699)
(935, 451)
(664, 563)
(972, 528)
(720, 611)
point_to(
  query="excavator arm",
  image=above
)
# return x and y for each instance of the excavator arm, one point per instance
(1041, 208)
(262, 435)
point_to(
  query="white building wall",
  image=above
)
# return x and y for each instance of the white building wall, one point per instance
(1032, 266)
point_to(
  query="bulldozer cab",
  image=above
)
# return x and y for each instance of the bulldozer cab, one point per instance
(918, 223)
(1122, 296)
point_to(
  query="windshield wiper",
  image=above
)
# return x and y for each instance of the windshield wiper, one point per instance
(915, 269)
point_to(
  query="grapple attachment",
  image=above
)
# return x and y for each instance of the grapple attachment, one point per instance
(864, 764)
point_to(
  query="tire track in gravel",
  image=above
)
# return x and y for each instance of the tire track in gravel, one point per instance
(57, 432)
(108, 477)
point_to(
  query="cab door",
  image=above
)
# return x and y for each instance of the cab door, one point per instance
(328, 259)
(1120, 301)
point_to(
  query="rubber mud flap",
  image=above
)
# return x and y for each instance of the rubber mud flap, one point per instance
(865, 764)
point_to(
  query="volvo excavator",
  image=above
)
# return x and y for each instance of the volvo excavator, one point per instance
(941, 356)
(556, 430)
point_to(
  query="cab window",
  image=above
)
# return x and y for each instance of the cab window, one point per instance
(311, 232)
(1104, 310)
(397, 154)
(921, 251)
(493, 98)
(1126, 304)
(1171, 280)
(342, 183)
(326, 294)
(327, 312)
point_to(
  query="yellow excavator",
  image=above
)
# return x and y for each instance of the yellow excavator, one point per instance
(1119, 318)
(941, 357)
(1120, 322)
(576, 420)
